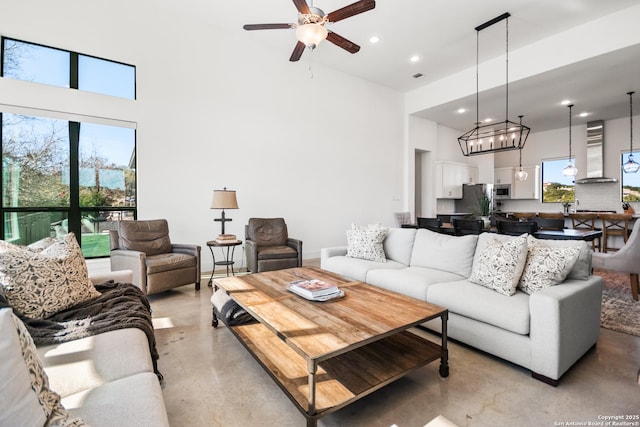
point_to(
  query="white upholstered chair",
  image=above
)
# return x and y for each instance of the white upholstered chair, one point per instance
(626, 260)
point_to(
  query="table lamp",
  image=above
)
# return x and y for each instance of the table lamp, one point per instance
(224, 199)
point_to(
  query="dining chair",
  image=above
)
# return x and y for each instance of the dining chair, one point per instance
(516, 228)
(524, 216)
(549, 223)
(614, 224)
(625, 260)
(551, 215)
(586, 221)
(463, 227)
(433, 224)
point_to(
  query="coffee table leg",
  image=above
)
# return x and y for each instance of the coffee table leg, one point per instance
(444, 360)
(311, 368)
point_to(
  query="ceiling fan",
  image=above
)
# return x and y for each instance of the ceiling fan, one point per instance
(311, 27)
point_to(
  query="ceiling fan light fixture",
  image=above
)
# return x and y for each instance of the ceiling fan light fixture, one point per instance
(311, 34)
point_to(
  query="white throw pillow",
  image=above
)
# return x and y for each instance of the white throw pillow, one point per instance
(500, 264)
(26, 399)
(40, 284)
(547, 266)
(367, 242)
(582, 268)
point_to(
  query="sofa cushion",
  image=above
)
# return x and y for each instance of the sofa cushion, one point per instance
(168, 262)
(443, 252)
(366, 242)
(276, 252)
(546, 266)
(354, 268)
(150, 237)
(133, 400)
(483, 304)
(39, 284)
(582, 268)
(500, 263)
(399, 244)
(86, 363)
(411, 281)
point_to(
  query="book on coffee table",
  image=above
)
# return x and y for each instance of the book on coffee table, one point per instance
(315, 289)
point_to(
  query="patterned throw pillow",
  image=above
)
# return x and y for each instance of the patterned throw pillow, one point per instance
(366, 242)
(26, 396)
(500, 265)
(39, 284)
(547, 266)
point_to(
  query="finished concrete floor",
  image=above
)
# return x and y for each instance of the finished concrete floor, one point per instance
(211, 380)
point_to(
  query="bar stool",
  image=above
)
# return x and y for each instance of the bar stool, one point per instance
(586, 221)
(614, 224)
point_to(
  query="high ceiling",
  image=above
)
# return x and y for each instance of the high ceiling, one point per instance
(441, 33)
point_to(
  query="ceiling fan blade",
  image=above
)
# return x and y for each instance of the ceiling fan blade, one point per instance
(352, 9)
(297, 52)
(250, 27)
(302, 6)
(342, 42)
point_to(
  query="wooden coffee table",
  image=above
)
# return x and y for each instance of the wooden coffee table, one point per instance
(326, 355)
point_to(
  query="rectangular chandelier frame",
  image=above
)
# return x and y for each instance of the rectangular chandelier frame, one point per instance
(492, 138)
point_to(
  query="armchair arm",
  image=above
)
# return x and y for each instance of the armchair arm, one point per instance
(124, 259)
(121, 276)
(297, 245)
(252, 255)
(565, 323)
(193, 250)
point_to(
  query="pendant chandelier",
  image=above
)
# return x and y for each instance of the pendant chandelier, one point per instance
(521, 175)
(570, 170)
(501, 136)
(631, 166)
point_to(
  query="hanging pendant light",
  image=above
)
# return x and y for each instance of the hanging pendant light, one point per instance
(521, 175)
(501, 136)
(570, 170)
(631, 166)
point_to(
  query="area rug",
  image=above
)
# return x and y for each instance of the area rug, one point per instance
(619, 311)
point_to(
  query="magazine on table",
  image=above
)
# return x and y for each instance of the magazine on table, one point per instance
(315, 289)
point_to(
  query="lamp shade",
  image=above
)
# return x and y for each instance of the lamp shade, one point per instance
(311, 34)
(224, 199)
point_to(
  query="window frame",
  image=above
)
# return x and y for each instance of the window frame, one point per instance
(542, 179)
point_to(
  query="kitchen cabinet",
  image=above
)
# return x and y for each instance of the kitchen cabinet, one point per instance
(503, 176)
(529, 189)
(450, 177)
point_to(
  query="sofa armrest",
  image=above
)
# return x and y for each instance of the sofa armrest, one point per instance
(251, 248)
(121, 276)
(297, 245)
(193, 250)
(125, 259)
(565, 323)
(334, 251)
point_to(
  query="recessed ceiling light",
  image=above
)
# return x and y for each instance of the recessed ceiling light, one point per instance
(462, 110)
(414, 58)
(374, 39)
(488, 119)
(584, 114)
(565, 102)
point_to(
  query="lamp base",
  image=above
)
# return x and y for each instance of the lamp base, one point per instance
(223, 219)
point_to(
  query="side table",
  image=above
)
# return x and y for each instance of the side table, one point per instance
(228, 257)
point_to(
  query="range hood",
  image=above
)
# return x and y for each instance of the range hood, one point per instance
(595, 155)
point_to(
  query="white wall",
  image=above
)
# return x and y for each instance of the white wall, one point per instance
(215, 111)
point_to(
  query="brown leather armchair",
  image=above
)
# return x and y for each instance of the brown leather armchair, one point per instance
(269, 247)
(144, 247)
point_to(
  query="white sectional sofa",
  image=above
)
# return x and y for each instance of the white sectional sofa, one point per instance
(546, 332)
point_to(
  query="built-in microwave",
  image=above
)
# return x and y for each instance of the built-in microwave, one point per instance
(502, 191)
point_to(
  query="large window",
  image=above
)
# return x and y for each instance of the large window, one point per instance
(630, 182)
(60, 176)
(556, 188)
(42, 64)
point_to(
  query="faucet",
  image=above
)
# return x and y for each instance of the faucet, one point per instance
(566, 205)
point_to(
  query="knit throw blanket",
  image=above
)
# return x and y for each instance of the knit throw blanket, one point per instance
(121, 305)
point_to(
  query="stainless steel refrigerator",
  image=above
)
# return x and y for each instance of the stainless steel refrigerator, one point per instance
(471, 195)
